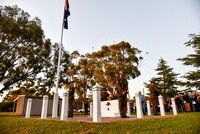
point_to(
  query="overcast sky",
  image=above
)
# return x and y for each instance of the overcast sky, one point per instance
(155, 26)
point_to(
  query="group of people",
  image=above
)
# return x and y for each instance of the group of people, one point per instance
(167, 105)
(188, 102)
(185, 103)
(122, 91)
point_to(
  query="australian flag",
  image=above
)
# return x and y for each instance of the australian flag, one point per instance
(66, 14)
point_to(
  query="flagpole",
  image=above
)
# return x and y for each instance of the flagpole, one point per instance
(55, 97)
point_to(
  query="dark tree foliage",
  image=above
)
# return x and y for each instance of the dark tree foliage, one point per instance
(166, 82)
(48, 78)
(81, 70)
(27, 60)
(111, 59)
(102, 67)
(192, 77)
(23, 49)
(6, 106)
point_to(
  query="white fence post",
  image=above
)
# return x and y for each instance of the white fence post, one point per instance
(28, 108)
(138, 106)
(91, 109)
(174, 106)
(96, 104)
(148, 107)
(44, 107)
(162, 109)
(55, 106)
(128, 109)
(64, 110)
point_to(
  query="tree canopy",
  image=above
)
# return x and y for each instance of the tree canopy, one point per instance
(27, 59)
(102, 67)
(166, 81)
(192, 77)
(24, 51)
(111, 59)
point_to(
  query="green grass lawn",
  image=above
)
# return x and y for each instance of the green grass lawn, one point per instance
(186, 123)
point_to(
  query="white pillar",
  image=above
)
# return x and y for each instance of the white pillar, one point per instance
(91, 109)
(28, 108)
(128, 109)
(44, 107)
(148, 107)
(138, 106)
(96, 104)
(162, 109)
(55, 106)
(64, 110)
(174, 106)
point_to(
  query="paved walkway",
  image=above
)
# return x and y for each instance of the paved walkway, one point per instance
(106, 119)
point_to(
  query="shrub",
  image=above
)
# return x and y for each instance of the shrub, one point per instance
(6, 106)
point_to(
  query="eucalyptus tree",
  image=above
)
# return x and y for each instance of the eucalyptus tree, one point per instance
(192, 77)
(72, 64)
(24, 51)
(71, 72)
(26, 57)
(110, 59)
(81, 72)
(85, 73)
(47, 78)
(166, 81)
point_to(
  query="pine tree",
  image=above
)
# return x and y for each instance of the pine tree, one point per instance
(192, 77)
(166, 81)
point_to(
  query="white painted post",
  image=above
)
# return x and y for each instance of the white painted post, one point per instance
(148, 107)
(28, 108)
(162, 109)
(138, 106)
(44, 107)
(55, 106)
(174, 106)
(96, 104)
(91, 109)
(64, 110)
(128, 109)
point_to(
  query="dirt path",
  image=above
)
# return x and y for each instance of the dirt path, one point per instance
(105, 119)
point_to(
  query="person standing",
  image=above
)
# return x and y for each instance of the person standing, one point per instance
(122, 90)
(198, 102)
(190, 102)
(154, 97)
(143, 102)
(186, 100)
(104, 95)
(179, 102)
(71, 98)
(86, 107)
(194, 101)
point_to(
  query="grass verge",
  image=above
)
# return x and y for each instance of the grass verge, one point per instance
(187, 123)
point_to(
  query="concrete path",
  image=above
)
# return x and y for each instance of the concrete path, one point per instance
(105, 119)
